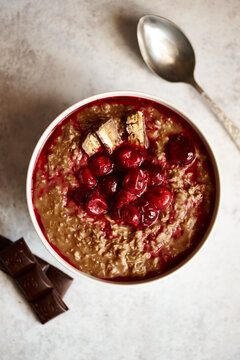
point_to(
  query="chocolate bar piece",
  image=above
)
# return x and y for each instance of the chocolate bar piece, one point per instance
(49, 306)
(17, 258)
(21, 264)
(60, 280)
(109, 135)
(44, 265)
(135, 126)
(34, 283)
(4, 243)
(91, 144)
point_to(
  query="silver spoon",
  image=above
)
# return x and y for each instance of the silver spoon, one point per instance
(168, 53)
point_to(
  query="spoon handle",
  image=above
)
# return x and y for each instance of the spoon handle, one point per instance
(227, 123)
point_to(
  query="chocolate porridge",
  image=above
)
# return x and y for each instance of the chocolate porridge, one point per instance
(123, 189)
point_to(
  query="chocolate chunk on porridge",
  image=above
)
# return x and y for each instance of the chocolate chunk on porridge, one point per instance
(123, 188)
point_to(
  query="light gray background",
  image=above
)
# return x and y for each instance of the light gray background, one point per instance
(55, 53)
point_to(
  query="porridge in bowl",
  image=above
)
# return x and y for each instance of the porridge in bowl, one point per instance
(124, 189)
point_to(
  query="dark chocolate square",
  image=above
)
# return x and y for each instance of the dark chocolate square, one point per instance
(49, 306)
(60, 280)
(17, 258)
(34, 283)
(44, 265)
(5, 243)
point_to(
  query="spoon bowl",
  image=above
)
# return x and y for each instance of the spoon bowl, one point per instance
(165, 49)
(168, 53)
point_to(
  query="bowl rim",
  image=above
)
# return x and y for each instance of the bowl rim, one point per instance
(41, 142)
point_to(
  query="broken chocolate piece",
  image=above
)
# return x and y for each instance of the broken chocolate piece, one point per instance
(91, 144)
(49, 306)
(135, 126)
(17, 258)
(4, 244)
(41, 292)
(44, 264)
(60, 280)
(34, 283)
(109, 134)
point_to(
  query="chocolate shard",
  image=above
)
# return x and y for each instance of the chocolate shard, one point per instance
(2, 267)
(60, 280)
(49, 306)
(4, 244)
(44, 264)
(37, 288)
(109, 134)
(17, 258)
(135, 126)
(91, 144)
(34, 283)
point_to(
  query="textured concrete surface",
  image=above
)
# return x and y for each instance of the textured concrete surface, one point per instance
(54, 53)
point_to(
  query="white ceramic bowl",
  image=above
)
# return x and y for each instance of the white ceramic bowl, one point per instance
(41, 143)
